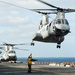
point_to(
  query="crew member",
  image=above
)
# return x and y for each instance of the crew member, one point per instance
(30, 63)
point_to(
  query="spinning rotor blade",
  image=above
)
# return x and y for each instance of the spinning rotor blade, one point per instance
(13, 5)
(45, 9)
(48, 4)
(23, 44)
(22, 7)
(16, 5)
(69, 10)
(19, 44)
(40, 12)
(8, 44)
(22, 49)
(57, 8)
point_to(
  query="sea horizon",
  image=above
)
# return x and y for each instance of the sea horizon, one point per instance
(49, 59)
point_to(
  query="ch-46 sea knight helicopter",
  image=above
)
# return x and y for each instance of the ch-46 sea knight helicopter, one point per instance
(54, 31)
(10, 54)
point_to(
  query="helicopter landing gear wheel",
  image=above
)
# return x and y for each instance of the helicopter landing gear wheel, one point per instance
(58, 46)
(32, 44)
(14, 61)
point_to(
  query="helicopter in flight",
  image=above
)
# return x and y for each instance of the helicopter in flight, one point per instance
(10, 54)
(56, 30)
(53, 31)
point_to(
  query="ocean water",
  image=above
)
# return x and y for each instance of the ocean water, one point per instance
(59, 59)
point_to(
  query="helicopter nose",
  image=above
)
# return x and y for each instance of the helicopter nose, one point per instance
(62, 29)
(60, 32)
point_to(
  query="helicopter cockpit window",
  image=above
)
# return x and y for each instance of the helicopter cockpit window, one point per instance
(50, 24)
(11, 51)
(62, 21)
(66, 22)
(58, 21)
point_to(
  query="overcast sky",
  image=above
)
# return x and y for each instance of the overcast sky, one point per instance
(17, 25)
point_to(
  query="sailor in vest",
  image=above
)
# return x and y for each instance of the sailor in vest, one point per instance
(30, 63)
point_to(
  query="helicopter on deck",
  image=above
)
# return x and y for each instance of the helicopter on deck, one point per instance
(10, 54)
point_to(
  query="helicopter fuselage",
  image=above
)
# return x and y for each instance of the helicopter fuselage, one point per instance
(53, 32)
(9, 56)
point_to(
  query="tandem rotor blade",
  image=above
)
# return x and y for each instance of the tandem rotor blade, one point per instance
(20, 6)
(57, 8)
(13, 4)
(46, 9)
(48, 4)
(9, 44)
(21, 49)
